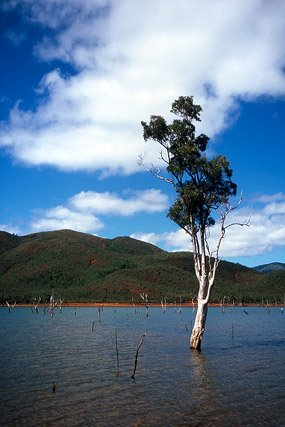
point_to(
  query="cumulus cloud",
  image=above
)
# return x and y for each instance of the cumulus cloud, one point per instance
(266, 198)
(60, 217)
(265, 233)
(148, 201)
(149, 237)
(10, 228)
(80, 210)
(275, 208)
(131, 60)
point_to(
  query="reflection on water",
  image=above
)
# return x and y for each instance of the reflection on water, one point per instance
(236, 381)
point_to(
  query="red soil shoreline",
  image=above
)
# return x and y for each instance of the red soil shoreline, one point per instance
(126, 304)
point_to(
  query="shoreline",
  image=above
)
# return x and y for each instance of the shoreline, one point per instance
(126, 304)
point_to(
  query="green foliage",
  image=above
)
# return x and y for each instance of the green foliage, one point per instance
(83, 268)
(201, 185)
(8, 241)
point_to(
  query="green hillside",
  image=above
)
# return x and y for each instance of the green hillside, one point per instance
(269, 268)
(83, 268)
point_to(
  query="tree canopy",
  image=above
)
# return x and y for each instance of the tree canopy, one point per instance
(201, 185)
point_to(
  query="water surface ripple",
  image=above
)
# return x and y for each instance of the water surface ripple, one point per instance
(235, 380)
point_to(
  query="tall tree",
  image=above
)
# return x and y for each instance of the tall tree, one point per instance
(202, 186)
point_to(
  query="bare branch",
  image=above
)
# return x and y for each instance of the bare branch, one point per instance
(51, 305)
(162, 158)
(136, 356)
(60, 305)
(145, 299)
(229, 209)
(242, 224)
(213, 268)
(163, 306)
(36, 304)
(117, 352)
(10, 306)
(154, 170)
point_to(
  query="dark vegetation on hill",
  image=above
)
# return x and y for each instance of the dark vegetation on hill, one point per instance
(83, 268)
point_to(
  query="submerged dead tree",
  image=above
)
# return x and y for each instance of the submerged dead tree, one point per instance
(10, 306)
(36, 304)
(117, 352)
(52, 305)
(145, 299)
(60, 305)
(202, 186)
(136, 356)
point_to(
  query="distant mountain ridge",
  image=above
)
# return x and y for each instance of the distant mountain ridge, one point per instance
(79, 267)
(269, 268)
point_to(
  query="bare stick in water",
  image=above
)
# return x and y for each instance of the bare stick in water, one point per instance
(134, 306)
(117, 353)
(136, 357)
(51, 305)
(60, 305)
(10, 306)
(36, 304)
(145, 299)
(163, 305)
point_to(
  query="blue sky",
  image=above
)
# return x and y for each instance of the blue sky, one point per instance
(77, 78)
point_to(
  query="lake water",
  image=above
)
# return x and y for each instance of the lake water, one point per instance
(237, 379)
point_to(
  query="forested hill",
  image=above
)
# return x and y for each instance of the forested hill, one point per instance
(84, 268)
(268, 268)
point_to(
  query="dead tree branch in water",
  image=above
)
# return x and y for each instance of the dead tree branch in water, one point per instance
(136, 357)
(145, 299)
(52, 304)
(163, 305)
(134, 305)
(179, 309)
(60, 305)
(36, 304)
(117, 353)
(10, 306)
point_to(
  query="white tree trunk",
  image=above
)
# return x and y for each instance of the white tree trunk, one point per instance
(206, 274)
(199, 325)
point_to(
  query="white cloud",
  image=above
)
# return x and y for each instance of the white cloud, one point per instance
(10, 228)
(147, 237)
(148, 201)
(133, 60)
(266, 198)
(275, 208)
(60, 217)
(265, 233)
(80, 210)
